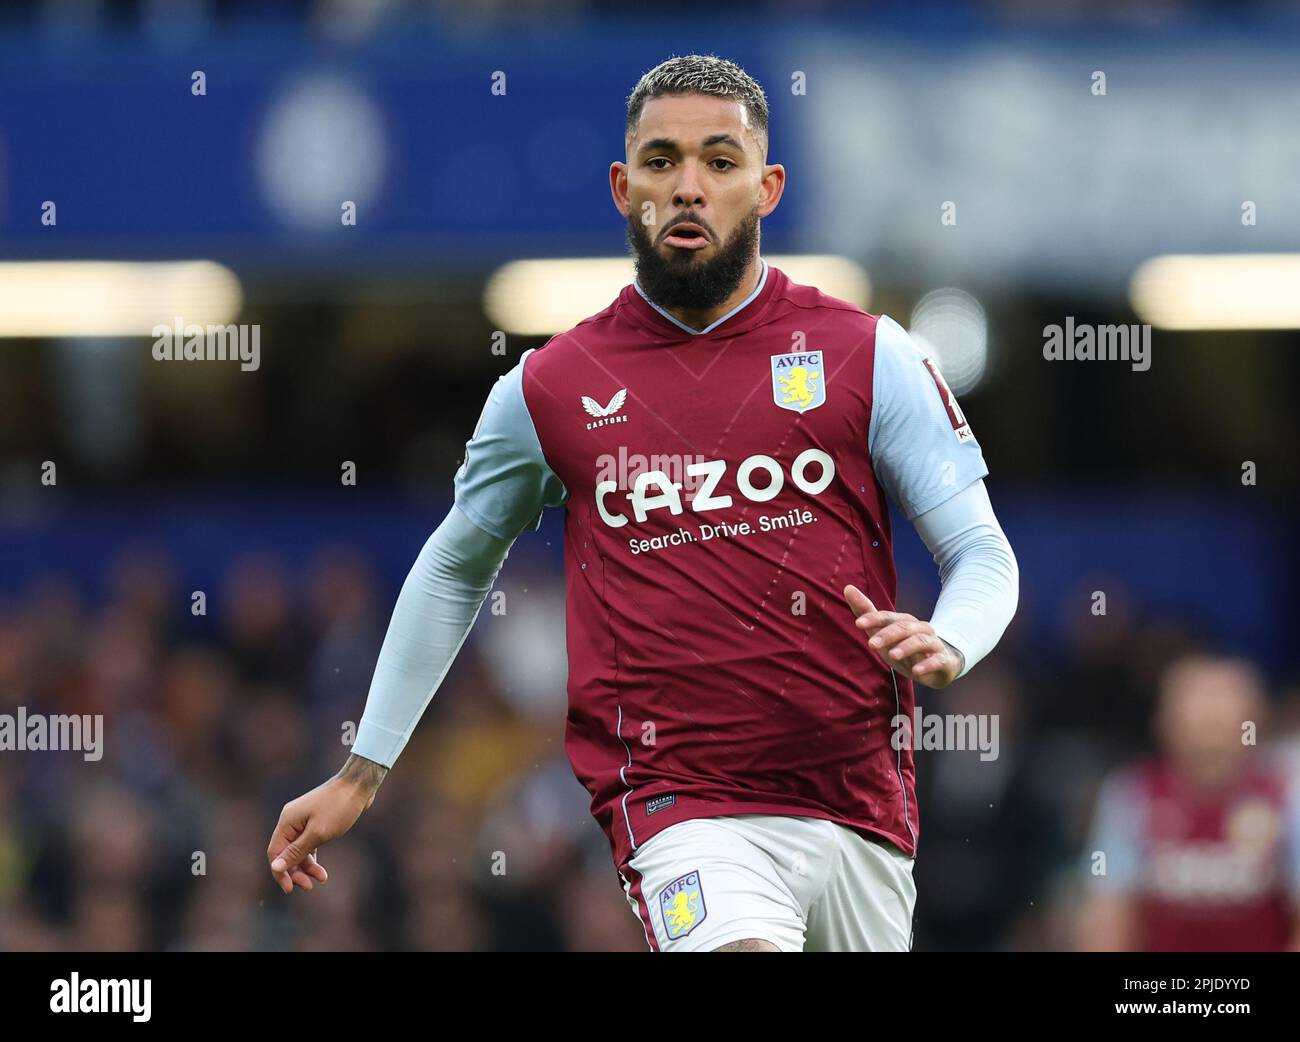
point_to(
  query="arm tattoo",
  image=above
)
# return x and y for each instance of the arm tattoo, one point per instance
(750, 944)
(366, 774)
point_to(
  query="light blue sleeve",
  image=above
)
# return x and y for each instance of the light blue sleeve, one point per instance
(922, 448)
(504, 482)
(1116, 832)
(502, 486)
(977, 569)
(435, 611)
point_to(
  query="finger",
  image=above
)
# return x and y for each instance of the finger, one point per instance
(283, 880)
(872, 621)
(858, 601)
(287, 829)
(938, 677)
(927, 666)
(280, 838)
(913, 648)
(293, 853)
(310, 872)
(892, 634)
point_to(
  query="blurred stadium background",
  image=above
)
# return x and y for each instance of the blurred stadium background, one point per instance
(380, 339)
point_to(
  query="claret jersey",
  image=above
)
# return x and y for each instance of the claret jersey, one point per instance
(720, 488)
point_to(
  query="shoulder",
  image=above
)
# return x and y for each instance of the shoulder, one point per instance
(894, 340)
(796, 297)
(1137, 781)
(901, 368)
(1125, 792)
(568, 346)
(546, 373)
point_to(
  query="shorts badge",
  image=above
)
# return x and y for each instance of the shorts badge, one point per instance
(682, 903)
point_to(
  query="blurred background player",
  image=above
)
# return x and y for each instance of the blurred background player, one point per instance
(1201, 843)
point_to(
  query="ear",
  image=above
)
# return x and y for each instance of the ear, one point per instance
(771, 188)
(618, 187)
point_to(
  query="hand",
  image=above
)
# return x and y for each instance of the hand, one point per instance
(906, 643)
(317, 817)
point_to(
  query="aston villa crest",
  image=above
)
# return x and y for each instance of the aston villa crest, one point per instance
(799, 380)
(682, 904)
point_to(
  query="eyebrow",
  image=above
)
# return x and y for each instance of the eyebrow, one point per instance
(667, 144)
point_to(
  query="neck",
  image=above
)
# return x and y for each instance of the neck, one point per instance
(1208, 777)
(702, 318)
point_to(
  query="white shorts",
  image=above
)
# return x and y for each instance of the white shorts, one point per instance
(805, 884)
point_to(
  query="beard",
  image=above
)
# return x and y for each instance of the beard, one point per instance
(684, 281)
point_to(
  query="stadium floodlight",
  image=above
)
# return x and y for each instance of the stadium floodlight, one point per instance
(1218, 291)
(950, 325)
(113, 298)
(539, 297)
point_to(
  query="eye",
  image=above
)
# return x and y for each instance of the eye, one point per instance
(657, 159)
(727, 161)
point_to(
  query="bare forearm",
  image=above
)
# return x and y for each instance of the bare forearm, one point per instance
(365, 774)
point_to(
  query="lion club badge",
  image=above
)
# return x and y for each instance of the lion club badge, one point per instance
(799, 380)
(682, 903)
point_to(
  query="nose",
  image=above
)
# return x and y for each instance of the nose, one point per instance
(688, 191)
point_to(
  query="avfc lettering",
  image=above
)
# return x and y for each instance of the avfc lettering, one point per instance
(655, 490)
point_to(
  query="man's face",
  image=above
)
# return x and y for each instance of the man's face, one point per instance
(694, 160)
(1203, 705)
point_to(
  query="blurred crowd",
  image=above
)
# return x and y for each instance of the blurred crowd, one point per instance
(356, 19)
(480, 838)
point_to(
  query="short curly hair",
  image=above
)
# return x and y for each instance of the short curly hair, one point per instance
(700, 74)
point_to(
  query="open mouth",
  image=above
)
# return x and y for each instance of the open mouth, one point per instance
(687, 237)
